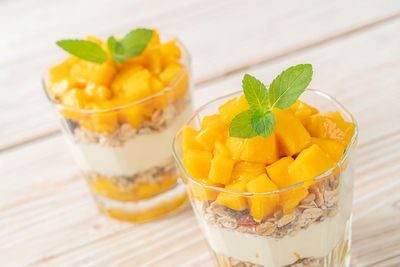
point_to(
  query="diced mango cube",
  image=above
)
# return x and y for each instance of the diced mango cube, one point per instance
(189, 139)
(279, 172)
(180, 86)
(74, 98)
(221, 150)
(126, 71)
(137, 86)
(100, 74)
(235, 146)
(58, 88)
(207, 119)
(170, 72)
(202, 193)
(97, 93)
(291, 134)
(332, 126)
(300, 105)
(221, 169)
(234, 200)
(262, 205)
(59, 72)
(334, 149)
(247, 170)
(311, 162)
(231, 108)
(290, 198)
(132, 114)
(197, 163)
(261, 150)
(154, 59)
(170, 50)
(213, 132)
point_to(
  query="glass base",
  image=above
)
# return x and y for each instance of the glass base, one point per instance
(143, 210)
(339, 256)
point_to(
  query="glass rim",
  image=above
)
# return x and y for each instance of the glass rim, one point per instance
(187, 63)
(316, 178)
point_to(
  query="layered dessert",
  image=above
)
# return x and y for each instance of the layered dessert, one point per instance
(120, 117)
(279, 200)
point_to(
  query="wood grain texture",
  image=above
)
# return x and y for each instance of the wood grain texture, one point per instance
(257, 37)
(47, 217)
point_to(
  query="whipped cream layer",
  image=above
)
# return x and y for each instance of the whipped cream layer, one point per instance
(138, 154)
(317, 240)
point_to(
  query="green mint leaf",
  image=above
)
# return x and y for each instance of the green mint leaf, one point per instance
(263, 123)
(85, 50)
(116, 50)
(255, 92)
(136, 41)
(241, 125)
(289, 85)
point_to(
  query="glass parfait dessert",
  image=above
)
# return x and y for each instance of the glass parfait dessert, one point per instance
(283, 198)
(120, 111)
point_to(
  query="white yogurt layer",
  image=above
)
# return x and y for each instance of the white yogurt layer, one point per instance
(318, 240)
(138, 154)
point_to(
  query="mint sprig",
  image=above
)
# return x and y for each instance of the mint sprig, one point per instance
(86, 50)
(283, 92)
(132, 45)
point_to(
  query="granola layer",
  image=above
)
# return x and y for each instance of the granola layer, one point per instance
(320, 203)
(159, 120)
(224, 261)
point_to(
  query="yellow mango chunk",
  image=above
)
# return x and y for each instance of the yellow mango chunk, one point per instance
(262, 205)
(290, 133)
(331, 125)
(278, 172)
(59, 72)
(189, 139)
(213, 132)
(231, 108)
(290, 198)
(100, 74)
(311, 162)
(221, 150)
(202, 193)
(334, 149)
(207, 119)
(170, 51)
(58, 88)
(133, 115)
(197, 163)
(170, 72)
(154, 59)
(235, 146)
(261, 150)
(221, 169)
(106, 121)
(232, 200)
(137, 86)
(180, 86)
(74, 98)
(126, 71)
(300, 105)
(247, 170)
(97, 93)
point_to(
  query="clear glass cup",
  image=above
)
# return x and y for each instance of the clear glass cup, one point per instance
(316, 233)
(128, 164)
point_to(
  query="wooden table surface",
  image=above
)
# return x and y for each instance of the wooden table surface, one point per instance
(47, 217)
